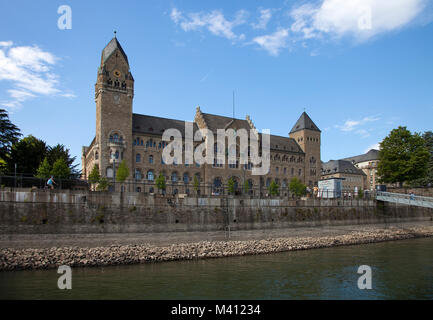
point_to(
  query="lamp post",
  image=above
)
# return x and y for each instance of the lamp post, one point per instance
(113, 156)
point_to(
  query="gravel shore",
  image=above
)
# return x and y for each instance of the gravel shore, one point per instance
(46, 258)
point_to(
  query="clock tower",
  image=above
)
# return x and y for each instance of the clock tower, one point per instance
(114, 93)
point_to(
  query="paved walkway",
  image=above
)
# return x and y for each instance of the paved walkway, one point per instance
(162, 239)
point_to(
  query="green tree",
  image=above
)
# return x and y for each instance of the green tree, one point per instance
(9, 134)
(122, 172)
(274, 188)
(427, 179)
(60, 151)
(231, 186)
(103, 184)
(94, 176)
(196, 184)
(297, 188)
(44, 170)
(403, 157)
(27, 154)
(60, 169)
(160, 182)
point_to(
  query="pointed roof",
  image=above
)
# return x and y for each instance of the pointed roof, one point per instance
(304, 122)
(110, 48)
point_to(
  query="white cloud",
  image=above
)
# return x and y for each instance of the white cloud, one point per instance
(274, 42)
(28, 69)
(214, 21)
(265, 16)
(361, 19)
(351, 125)
(373, 146)
(6, 43)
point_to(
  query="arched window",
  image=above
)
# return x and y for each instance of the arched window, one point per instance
(174, 177)
(116, 84)
(185, 178)
(109, 172)
(96, 155)
(150, 175)
(151, 159)
(137, 174)
(137, 157)
(116, 155)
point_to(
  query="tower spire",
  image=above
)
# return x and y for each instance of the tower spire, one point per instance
(115, 33)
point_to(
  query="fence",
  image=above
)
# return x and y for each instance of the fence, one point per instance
(173, 188)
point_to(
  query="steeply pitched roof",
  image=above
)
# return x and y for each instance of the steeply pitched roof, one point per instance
(285, 144)
(156, 125)
(340, 166)
(110, 48)
(215, 122)
(304, 122)
(371, 155)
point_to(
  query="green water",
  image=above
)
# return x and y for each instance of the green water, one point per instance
(400, 270)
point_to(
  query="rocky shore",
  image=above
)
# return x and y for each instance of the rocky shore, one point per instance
(46, 258)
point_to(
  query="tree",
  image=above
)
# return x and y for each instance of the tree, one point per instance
(297, 188)
(27, 154)
(122, 172)
(103, 184)
(9, 134)
(403, 157)
(274, 188)
(94, 176)
(160, 182)
(427, 179)
(231, 186)
(60, 169)
(196, 184)
(60, 151)
(44, 170)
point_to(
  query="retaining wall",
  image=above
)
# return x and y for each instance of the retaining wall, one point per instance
(27, 212)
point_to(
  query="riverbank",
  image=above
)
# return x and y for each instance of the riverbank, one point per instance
(253, 243)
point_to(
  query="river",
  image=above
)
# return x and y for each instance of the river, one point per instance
(400, 270)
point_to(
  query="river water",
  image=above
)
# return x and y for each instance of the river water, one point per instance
(400, 270)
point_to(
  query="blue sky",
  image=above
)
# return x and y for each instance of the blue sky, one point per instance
(360, 68)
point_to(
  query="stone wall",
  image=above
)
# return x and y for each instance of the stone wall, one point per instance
(93, 212)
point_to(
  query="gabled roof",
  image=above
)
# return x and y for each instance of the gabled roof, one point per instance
(285, 144)
(304, 122)
(156, 125)
(215, 122)
(340, 166)
(110, 48)
(371, 155)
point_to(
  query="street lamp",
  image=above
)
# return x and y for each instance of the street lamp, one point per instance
(113, 157)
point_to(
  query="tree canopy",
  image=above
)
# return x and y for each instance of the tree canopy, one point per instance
(60, 169)
(9, 134)
(403, 157)
(122, 172)
(274, 188)
(160, 182)
(27, 154)
(60, 151)
(297, 188)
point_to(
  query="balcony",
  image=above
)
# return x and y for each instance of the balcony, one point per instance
(116, 143)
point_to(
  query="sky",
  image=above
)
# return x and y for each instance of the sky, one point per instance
(359, 68)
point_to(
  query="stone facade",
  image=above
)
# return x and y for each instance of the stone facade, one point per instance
(353, 177)
(137, 139)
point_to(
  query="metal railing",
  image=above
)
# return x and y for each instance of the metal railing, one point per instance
(408, 199)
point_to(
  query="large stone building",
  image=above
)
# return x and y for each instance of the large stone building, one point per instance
(137, 139)
(353, 178)
(368, 163)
